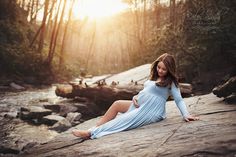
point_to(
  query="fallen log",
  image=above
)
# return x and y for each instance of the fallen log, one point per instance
(104, 95)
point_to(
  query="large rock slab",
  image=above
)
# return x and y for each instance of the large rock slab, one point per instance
(213, 135)
(138, 74)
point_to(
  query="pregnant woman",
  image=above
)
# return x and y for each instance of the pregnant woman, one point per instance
(146, 107)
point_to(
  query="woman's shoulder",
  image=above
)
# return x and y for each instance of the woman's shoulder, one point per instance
(174, 85)
(147, 82)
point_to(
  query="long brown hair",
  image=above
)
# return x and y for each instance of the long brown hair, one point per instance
(170, 77)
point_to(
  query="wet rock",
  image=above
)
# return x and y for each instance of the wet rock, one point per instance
(67, 108)
(88, 109)
(226, 89)
(29, 145)
(4, 87)
(33, 112)
(51, 119)
(82, 108)
(11, 115)
(31, 80)
(231, 99)
(74, 118)
(61, 126)
(9, 150)
(16, 86)
(54, 107)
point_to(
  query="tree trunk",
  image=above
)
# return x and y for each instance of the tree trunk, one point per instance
(157, 13)
(144, 20)
(28, 8)
(36, 35)
(42, 34)
(105, 95)
(50, 21)
(62, 52)
(52, 42)
(23, 4)
(36, 11)
(91, 47)
(172, 13)
(57, 32)
(32, 8)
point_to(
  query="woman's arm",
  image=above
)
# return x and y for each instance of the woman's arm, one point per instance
(175, 92)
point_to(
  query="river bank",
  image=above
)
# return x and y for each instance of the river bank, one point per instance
(213, 135)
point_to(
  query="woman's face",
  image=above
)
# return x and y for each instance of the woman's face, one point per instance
(161, 69)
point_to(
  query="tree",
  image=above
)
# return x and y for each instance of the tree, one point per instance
(173, 13)
(157, 12)
(56, 31)
(43, 29)
(62, 52)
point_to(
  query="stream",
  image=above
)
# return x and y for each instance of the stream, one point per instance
(15, 134)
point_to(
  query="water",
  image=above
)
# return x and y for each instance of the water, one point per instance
(15, 133)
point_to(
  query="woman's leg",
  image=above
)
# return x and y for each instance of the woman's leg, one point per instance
(118, 106)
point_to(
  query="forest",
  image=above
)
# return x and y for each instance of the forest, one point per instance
(58, 40)
(64, 63)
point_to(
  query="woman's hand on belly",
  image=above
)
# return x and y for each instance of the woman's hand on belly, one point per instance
(135, 102)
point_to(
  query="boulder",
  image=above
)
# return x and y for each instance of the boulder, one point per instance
(88, 109)
(81, 107)
(51, 119)
(66, 108)
(16, 86)
(33, 112)
(225, 89)
(74, 118)
(61, 125)
(11, 115)
(231, 99)
(53, 107)
(8, 150)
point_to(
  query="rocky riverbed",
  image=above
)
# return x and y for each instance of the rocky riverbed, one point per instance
(213, 135)
(17, 135)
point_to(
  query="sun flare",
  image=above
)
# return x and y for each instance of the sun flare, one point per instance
(94, 9)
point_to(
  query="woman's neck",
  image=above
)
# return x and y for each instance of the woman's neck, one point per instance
(160, 79)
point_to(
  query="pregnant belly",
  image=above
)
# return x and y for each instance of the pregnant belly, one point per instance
(150, 99)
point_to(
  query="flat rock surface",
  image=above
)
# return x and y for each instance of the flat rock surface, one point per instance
(138, 74)
(213, 135)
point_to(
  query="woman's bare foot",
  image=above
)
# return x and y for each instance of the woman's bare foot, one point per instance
(81, 133)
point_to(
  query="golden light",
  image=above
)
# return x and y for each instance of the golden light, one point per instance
(94, 9)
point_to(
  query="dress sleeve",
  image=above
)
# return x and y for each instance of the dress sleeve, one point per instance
(175, 92)
(146, 83)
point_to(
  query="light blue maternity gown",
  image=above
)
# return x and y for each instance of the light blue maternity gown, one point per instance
(151, 100)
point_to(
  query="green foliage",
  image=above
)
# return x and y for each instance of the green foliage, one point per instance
(8, 10)
(12, 33)
(203, 41)
(16, 58)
